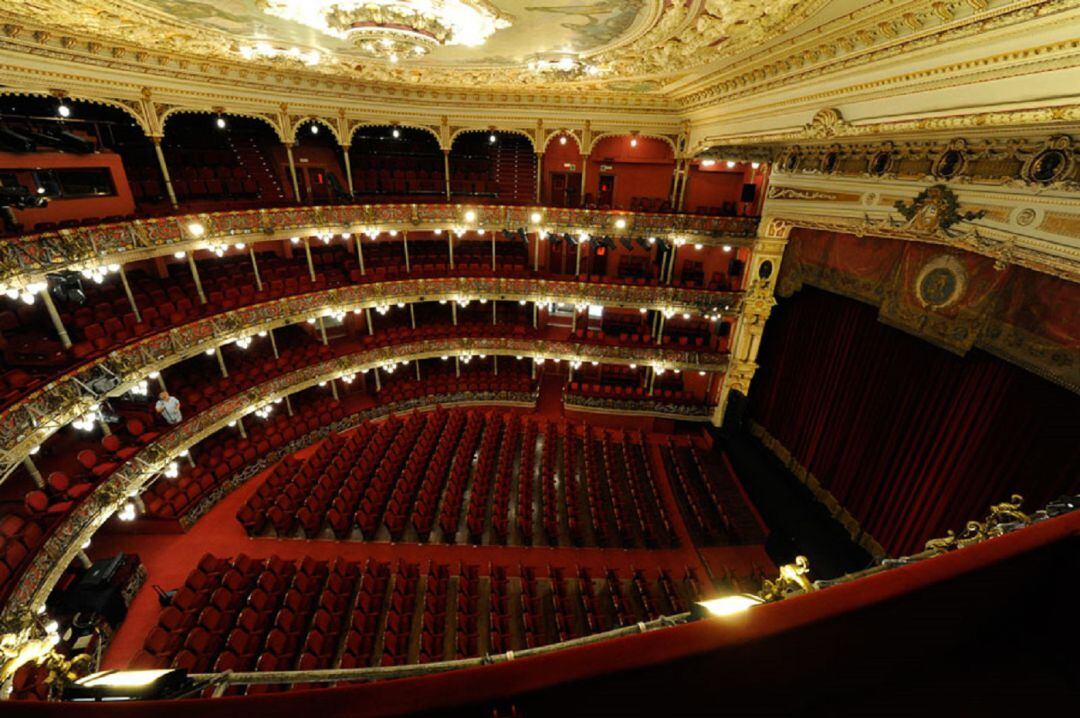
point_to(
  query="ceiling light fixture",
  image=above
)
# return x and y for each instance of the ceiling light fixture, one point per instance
(395, 29)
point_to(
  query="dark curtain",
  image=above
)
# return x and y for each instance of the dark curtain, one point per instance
(909, 438)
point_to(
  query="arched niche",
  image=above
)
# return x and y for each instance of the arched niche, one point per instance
(397, 161)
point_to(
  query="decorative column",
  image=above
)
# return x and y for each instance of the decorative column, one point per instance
(322, 331)
(333, 390)
(164, 171)
(195, 276)
(536, 252)
(273, 343)
(32, 469)
(130, 296)
(446, 175)
(681, 199)
(348, 171)
(292, 171)
(493, 251)
(584, 171)
(405, 244)
(758, 302)
(54, 315)
(240, 427)
(221, 362)
(412, 316)
(450, 243)
(539, 176)
(255, 268)
(288, 405)
(310, 261)
(360, 254)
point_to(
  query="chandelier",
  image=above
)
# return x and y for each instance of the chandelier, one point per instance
(394, 30)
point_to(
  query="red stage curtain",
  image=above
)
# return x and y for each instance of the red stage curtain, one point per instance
(909, 438)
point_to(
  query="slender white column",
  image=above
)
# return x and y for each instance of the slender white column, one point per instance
(221, 362)
(195, 275)
(292, 171)
(165, 172)
(310, 261)
(273, 343)
(130, 296)
(255, 268)
(54, 315)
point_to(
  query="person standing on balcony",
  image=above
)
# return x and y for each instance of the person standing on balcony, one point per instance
(169, 408)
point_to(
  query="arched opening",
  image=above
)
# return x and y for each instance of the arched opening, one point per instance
(216, 158)
(562, 172)
(630, 172)
(493, 165)
(390, 161)
(320, 171)
(68, 162)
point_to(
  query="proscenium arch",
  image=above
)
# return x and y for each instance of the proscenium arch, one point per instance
(140, 120)
(608, 135)
(312, 119)
(391, 125)
(173, 111)
(473, 130)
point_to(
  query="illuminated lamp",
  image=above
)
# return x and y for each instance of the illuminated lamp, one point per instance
(130, 685)
(725, 606)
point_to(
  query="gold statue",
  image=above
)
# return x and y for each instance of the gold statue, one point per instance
(34, 643)
(1007, 512)
(793, 577)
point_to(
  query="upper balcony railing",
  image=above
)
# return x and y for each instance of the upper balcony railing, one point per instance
(25, 260)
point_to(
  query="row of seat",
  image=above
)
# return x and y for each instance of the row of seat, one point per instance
(636, 393)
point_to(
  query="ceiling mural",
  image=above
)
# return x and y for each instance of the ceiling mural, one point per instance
(636, 46)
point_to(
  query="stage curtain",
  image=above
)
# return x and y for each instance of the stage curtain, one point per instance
(911, 439)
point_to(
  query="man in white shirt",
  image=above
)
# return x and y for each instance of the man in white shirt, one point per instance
(169, 408)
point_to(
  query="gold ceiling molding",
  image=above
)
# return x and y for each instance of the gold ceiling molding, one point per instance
(879, 32)
(675, 38)
(1064, 117)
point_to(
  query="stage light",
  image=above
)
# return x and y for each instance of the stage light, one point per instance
(492, 138)
(725, 606)
(130, 685)
(220, 122)
(63, 110)
(396, 133)
(314, 129)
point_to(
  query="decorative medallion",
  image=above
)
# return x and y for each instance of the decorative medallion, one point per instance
(941, 282)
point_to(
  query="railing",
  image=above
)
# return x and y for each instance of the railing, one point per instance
(28, 258)
(344, 675)
(108, 496)
(27, 423)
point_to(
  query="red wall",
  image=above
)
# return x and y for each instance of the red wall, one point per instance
(642, 171)
(59, 210)
(556, 156)
(712, 186)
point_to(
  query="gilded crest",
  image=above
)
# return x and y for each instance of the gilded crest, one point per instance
(934, 211)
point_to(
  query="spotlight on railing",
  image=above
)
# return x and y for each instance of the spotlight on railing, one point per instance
(130, 685)
(725, 606)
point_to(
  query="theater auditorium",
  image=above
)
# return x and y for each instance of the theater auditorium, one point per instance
(513, 359)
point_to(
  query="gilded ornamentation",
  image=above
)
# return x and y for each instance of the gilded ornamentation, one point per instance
(934, 211)
(31, 642)
(1000, 518)
(793, 578)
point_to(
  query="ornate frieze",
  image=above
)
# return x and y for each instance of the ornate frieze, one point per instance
(26, 259)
